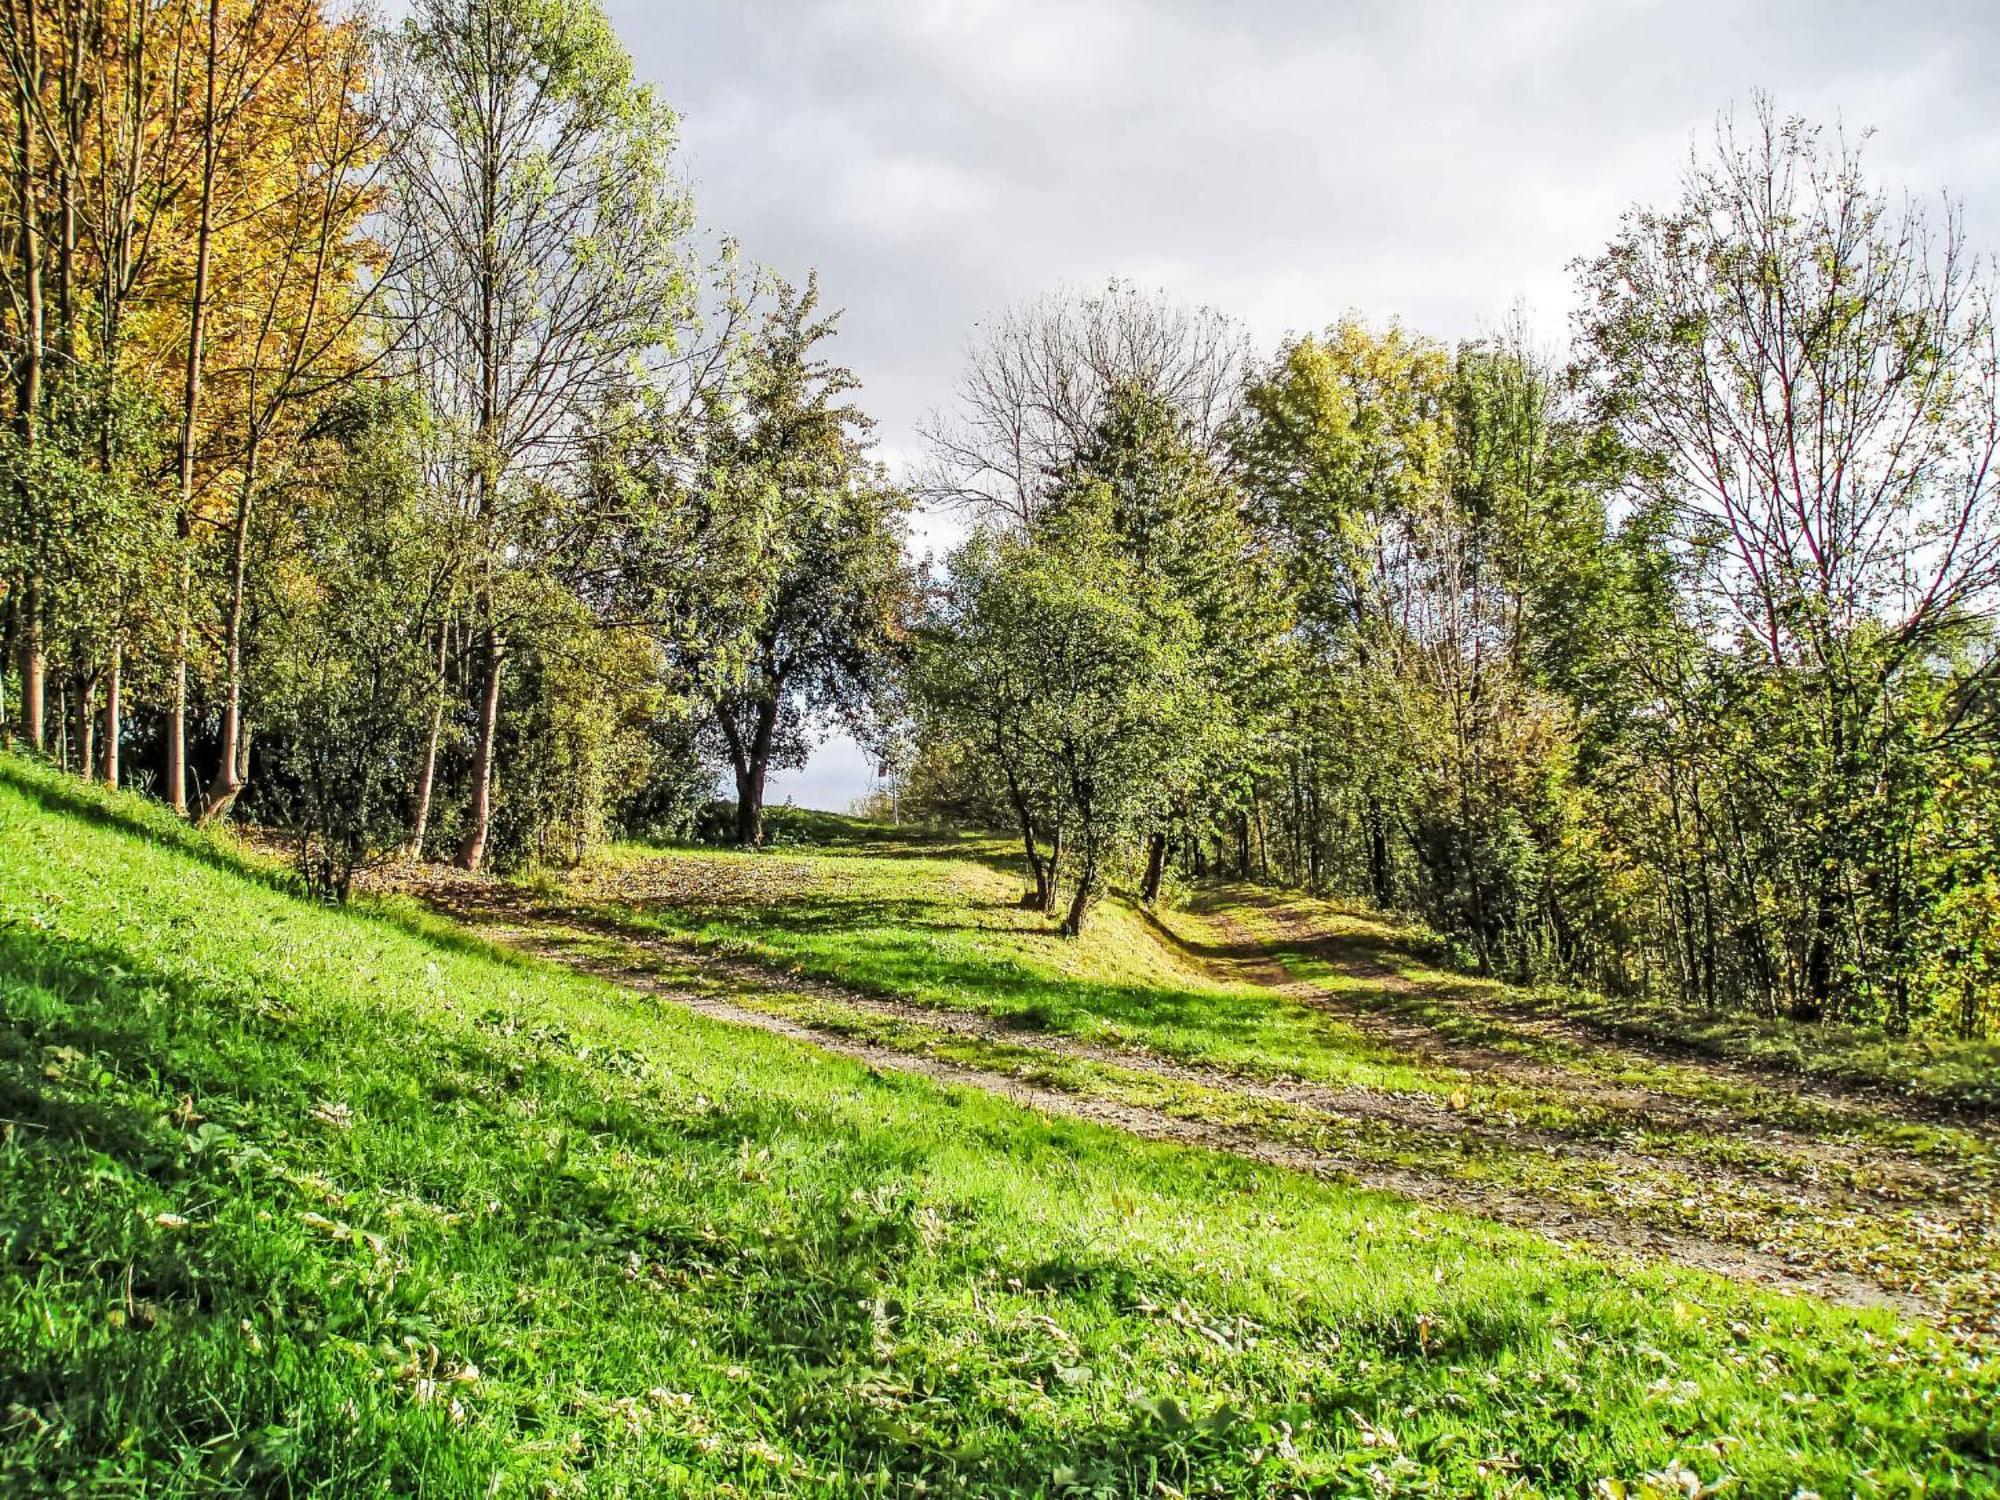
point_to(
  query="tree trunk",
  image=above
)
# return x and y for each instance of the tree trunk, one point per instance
(1378, 856)
(1816, 1002)
(227, 783)
(28, 396)
(472, 852)
(114, 724)
(34, 685)
(1040, 870)
(86, 728)
(1079, 902)
(750, 807)
(1263, 841)
(1156, 867)
(1242, 845)
(1315, 848)
(191, 389)
(427, 776)
(753, 763)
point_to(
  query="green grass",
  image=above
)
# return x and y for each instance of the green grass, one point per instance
(935, 919)
(1573, 1115)
(305, 1202)
(1942, 1075)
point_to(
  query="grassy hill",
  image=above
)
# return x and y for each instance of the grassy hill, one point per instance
(312, 1202)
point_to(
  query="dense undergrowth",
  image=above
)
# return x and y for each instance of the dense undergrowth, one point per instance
(303, 1201)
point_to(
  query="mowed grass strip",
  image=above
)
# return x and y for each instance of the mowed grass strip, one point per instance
(333, 1203)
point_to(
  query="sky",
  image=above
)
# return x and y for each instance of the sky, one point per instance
(1439, 162)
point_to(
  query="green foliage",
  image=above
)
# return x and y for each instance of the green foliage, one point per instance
(347, 674)
(1075, 666)
(576, 732)
(826, 581)
(1820, 666)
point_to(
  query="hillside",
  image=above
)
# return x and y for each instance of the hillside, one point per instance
(346, 1203)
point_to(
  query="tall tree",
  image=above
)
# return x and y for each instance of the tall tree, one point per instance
(300, 331)
(834, 587)
(1809, 377)
(535, 198)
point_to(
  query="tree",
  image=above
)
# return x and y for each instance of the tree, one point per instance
(1101, 696)
(1341, 436)
(1808, 376)
(301, 319)
(1033, 394)
(349, 673)
(1186, 530)
(543, 227)
(833, 586)
(979, 676)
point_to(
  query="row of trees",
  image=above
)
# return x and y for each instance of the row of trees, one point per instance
(389, 457)
(1668, 666)
(385, 448)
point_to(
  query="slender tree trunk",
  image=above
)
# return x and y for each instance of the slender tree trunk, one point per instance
(1378, 856)
(1263, 841)
(227, 784)
(191, 391)
(1156, 867)
(114, 726)
(1315, 848)
(472, 852)
(1298, 869)
(1042, 897)
(427, 776)
(34, 685)
(28, 395)
(86, 728)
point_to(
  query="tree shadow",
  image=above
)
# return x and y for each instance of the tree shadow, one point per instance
(126, 813)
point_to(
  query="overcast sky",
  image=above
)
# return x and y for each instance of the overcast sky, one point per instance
(1287, 161)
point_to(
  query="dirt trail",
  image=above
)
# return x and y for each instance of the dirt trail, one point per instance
(658, 967)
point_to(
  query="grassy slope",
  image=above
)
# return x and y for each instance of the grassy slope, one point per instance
(1942, 1074)
(928, 917)
(932, 919)
(1566, 1114)
(311, 1202)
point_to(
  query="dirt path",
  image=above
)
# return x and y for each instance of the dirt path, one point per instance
(657, 967)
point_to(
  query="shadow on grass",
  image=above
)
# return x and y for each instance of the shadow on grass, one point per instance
(801, 1287)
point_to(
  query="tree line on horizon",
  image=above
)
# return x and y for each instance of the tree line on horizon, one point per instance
(392, 458)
